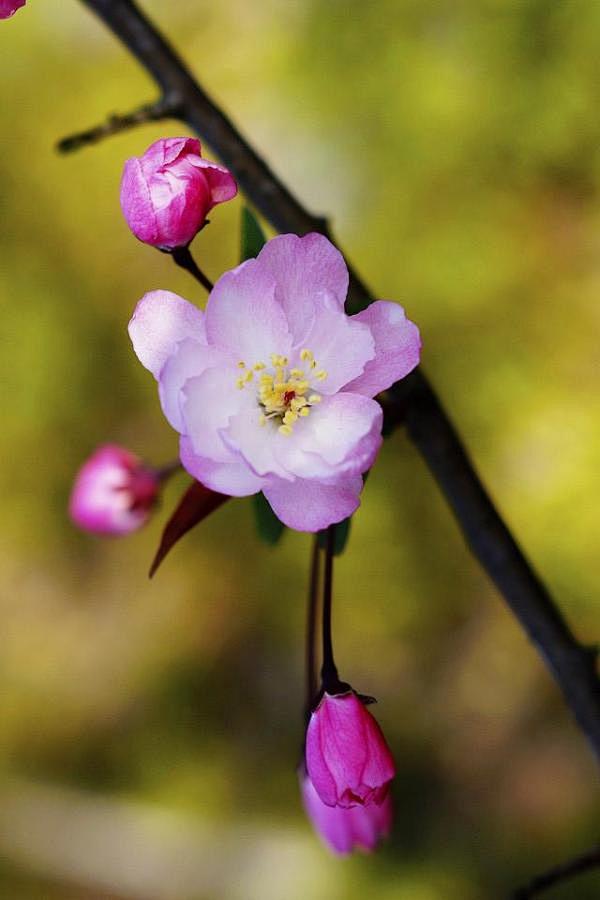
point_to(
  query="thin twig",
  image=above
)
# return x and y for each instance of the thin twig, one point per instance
(311, 625)
(572, 665)
(329, 673)
(562, 872)
(184, 259)
(150, 112)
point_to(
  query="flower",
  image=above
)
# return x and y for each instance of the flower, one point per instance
(167, 193)
(271, 388)
(114, 492)
(9, 7)
(347, 829)
(347, 758)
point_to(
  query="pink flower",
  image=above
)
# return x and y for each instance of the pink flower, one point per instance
(167, 193)
(347, 829)
(271, 388)
(9, 7)
(114, 492)
(347, 758)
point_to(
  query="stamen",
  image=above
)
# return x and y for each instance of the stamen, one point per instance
(314, 398)
(241, 365)
(285, 430)
(306, 355)
(321, 374)
(259, 366)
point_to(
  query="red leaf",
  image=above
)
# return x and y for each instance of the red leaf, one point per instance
(196, 504)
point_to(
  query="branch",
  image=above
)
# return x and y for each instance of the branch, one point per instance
(150, 112)
(412, 401)
(577, 866)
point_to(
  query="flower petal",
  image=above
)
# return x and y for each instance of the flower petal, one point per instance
(243, 316)
(342, 434)
(189, 360)
(304, 267)
(341, 346)
(209, 402)
(234, 477)
(397, 347)
(255, 442)
(221, 183)
(312, 505)
(160, 321)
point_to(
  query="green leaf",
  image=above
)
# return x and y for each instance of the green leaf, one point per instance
(269, 528)
(252, 235)
(342, 533)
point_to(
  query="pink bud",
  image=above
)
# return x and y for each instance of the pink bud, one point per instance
(9, 7)
(167, 193)
(345, 830)
(348, 760)
(114, 492)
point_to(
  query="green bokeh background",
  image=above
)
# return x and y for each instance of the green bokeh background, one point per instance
(149, 730)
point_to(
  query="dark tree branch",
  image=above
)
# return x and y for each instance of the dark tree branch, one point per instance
(151, 112)
(413, 401)
(562, 872)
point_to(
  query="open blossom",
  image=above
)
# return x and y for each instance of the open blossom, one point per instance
(9, 7)
(347, 829)
(347, 758)
(167, 193)
(271, 389)
(114, 492)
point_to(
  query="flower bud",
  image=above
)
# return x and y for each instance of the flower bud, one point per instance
(345, 830)
(9, 7)
(114, 492)
(347, 758)
(167, 193)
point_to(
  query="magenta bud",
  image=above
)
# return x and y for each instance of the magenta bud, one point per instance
(344, 830)
(167, 193)
(114, 492)
(9, 7)
(347, 758)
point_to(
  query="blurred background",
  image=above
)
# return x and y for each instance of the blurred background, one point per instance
(150, 730)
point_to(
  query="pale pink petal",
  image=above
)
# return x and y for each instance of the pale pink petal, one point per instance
(303, 268)
(341, 347)
(243, 317)
(397, 347)
(341, 434)
(312, 505)
(234, 477)
(160, 321)
(344, 830)
(209, 402)
(255, 442)
(189, 360)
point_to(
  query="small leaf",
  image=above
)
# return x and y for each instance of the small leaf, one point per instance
(196, 504)
(252, 236)
(342, 533)
(269, 528)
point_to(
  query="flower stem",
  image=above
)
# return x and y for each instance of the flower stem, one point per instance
(163, 473)
(329, 672)
(311, 626)
(184, 259)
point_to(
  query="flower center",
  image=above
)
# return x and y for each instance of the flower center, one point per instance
(284, 394)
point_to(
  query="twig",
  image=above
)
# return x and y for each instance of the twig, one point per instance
(572, 664)
(184, 259)
(576, 866)
(311, 626)
(151, 112)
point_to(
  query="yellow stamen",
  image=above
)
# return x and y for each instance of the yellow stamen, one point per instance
(304, 411)
(285, 430)
(258, 366)
(314, 398)
(321, 374)
(241, 365)
(306, 355)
